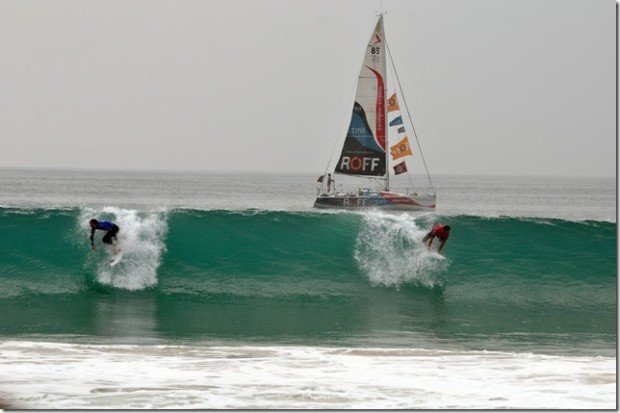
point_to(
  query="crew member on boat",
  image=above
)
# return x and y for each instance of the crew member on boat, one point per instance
(330, 181)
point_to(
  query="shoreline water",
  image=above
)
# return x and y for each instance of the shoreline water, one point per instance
(267, 377)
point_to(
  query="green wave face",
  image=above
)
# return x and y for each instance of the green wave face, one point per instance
(311, 277)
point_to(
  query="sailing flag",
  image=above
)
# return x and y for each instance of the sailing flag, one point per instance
(397, 121)
(392, 103)
(401, 129)
(401, 168)
(401, 149)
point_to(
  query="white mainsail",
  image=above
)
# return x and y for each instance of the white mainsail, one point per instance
(364, 149)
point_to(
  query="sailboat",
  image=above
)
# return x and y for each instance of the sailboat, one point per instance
(365, 150)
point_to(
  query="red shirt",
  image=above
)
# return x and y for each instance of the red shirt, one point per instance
(440, 232)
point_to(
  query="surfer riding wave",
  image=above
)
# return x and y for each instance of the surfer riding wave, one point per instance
(442, 232)
(110, 236)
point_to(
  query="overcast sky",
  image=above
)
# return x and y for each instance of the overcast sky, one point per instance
(495, 87)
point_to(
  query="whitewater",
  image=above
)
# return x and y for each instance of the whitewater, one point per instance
(234, 293)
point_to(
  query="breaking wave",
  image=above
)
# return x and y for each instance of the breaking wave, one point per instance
(274, 273)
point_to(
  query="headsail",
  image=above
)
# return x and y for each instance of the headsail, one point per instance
(364, 150)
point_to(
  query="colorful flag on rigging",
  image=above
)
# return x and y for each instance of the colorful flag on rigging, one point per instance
(393, 103)
(401, 149)
(397, 121)
(401, 168)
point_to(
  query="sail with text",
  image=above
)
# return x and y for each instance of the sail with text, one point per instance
(364, 151)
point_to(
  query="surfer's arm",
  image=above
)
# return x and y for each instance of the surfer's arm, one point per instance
(430, 242)
(92, 236)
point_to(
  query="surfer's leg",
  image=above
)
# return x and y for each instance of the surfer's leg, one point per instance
(107, 238)
(113, 238)
(110, 235)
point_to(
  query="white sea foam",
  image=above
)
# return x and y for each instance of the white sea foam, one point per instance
(389, 250)
(141, 237)
(84, 376)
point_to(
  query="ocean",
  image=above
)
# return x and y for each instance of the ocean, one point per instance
(234, 292)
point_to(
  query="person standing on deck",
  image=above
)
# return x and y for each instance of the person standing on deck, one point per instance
(330, 181)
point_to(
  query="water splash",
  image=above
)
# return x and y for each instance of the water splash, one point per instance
(389, 251)
(141, 237)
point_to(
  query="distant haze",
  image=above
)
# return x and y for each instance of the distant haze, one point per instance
(494, 87)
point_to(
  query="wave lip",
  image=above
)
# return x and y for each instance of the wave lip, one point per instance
(390, 252)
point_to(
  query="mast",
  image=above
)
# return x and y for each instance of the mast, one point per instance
(387, 126)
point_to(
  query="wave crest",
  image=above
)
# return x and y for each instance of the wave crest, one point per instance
(142, 239)
(390, 252)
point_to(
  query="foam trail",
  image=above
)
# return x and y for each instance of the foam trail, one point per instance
(43, 375)
(389, 251)
(141, 237)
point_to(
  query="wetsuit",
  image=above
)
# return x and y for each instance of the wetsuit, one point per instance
(439, 232)
(111, 228)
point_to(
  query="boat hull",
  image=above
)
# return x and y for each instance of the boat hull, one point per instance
(379, 200)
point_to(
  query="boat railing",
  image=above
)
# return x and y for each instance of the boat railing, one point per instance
(414, 193)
